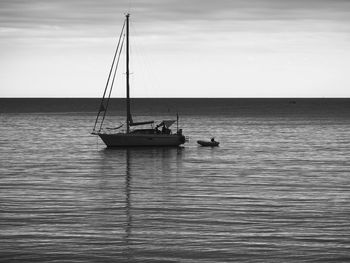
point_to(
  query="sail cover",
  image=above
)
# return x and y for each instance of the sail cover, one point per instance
(166, 123)
(141, 123)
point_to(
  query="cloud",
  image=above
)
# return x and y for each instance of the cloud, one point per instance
(249, 9)
(26, 14)
(72, 23)
(69, 43)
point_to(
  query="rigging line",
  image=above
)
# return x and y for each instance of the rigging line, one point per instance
(109, 76)
(110, 90)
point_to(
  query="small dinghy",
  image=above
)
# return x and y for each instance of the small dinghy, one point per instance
(211, 143)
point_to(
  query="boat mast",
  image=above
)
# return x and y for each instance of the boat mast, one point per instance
(128, 114)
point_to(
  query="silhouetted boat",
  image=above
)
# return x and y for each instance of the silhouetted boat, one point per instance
(133, 137)
(211, 143)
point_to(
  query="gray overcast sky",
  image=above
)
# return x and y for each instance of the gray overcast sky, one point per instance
(192, 48)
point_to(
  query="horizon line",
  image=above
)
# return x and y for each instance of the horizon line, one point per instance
(178, 98)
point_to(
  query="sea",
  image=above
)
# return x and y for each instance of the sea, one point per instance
(277, 189)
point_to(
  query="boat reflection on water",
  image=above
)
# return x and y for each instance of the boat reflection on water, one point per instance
(128, 225)
(141, 177)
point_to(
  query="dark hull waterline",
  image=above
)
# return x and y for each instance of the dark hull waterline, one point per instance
(131, 140)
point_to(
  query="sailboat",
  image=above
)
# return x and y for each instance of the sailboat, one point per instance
(157, 135)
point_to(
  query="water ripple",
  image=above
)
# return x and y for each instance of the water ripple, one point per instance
(276, 190)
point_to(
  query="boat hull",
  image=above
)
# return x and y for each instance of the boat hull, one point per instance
(206, 143)
(130, 140)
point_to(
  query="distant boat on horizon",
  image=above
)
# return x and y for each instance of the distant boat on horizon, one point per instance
(153, 136)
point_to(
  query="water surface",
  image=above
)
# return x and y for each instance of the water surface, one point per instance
(276, 190)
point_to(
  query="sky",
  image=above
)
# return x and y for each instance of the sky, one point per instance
(179, 48)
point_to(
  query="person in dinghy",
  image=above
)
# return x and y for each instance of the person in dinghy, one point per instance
(212, 142)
